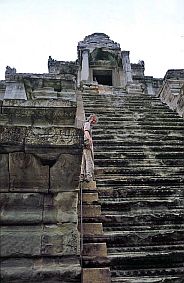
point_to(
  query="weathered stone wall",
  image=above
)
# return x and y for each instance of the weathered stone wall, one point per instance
(62, 67)
(172, 94)
(174, 74)
(40, 155)
(138, 70)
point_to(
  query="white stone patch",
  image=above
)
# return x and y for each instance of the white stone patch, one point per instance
(15, 90)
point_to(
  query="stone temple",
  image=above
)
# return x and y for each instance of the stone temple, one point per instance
(128, 225)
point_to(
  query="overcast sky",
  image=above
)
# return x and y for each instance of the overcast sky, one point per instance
(31, 30)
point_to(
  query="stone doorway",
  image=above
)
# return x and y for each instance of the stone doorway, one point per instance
(103, 77)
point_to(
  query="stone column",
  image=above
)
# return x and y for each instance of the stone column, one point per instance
(85, 66)
(127, 67)
(149, 85)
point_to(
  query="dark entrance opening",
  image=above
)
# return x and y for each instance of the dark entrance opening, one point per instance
(103, 77)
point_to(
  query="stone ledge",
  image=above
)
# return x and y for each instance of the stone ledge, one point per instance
(91, 211)
(92, 229)
(88, 185)
(89, 198)
(96, 275)
(95, 249)
(34, 270)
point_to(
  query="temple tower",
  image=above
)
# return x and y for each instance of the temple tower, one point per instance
(101, 60)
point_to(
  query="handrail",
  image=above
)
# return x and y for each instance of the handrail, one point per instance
(81, 226)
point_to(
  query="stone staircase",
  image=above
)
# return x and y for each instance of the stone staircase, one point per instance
(139, 169)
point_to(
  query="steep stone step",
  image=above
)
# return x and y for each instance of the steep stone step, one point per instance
(132, 205)
(148, 279)
(153, 258)
(156, 128)
(135, 144)
(91, 229)
(132, 191)
(96, 275)
(138, 238)
(128, 105)
(139, 161)
(102, 144)
(128, 121)
(168, 248)
(147, 237)
(137, 219)
(93, 254)
(54, 270)
(143, 152)
(141, 180)
(138, 169)
(131, 111)
(146, 226)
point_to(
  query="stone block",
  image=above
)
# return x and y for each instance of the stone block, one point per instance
(40, 116)
(2, 92)
(60, 207)
(88, 185)
(19, 241)
(61, 136)
(4, 173)
(89, 197)
(39, 270)
(95, 249)
(92, 229)
(27, 173)
(15, 90)
(21, 208)
(40, 103)
(11, 138)
(96, 275)
(64, 174)
(50, 240)
(60, 240)
(91, 210)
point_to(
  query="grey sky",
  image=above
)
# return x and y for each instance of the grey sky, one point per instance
(31, 30)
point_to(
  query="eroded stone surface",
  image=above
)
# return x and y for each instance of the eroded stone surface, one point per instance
(27, 173)
(60, 207)
(38, 270)
(62, 178)
(4, 172)
(39, 233)
(15, 90)
(62, 136)
(21, 208)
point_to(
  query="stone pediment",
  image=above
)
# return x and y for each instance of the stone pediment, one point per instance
(98, 40)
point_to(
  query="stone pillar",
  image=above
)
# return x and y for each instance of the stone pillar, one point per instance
(149, 85)
(126, 67)
(85, 66)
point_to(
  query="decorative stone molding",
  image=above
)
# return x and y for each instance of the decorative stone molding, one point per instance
(172, 94)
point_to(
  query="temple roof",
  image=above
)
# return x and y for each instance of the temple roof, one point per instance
(98, 40)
